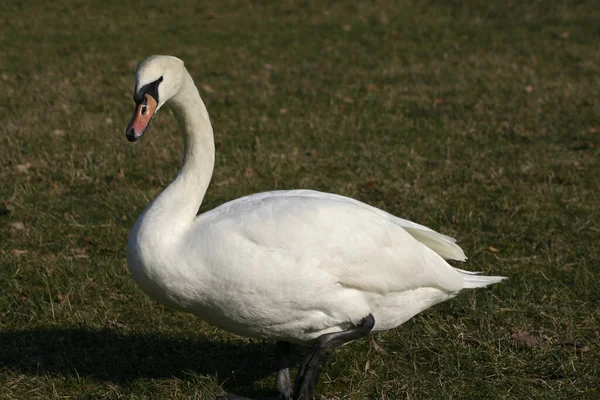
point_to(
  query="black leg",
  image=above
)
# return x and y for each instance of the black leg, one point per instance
(283, 383)
(309, 370)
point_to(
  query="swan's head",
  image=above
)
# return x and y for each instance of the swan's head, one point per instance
(157, 79)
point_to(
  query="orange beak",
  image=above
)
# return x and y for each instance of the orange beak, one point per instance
(141, 118)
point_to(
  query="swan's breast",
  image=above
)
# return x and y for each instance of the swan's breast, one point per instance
(152, 258)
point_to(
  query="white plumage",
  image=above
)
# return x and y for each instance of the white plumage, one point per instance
(284, 265)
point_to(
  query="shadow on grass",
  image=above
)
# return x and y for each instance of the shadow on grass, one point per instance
(107, 355)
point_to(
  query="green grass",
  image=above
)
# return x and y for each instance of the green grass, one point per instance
(478, 119)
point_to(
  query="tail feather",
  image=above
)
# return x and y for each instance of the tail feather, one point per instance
(473, 281)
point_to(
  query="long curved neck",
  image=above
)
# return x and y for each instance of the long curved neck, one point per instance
(180, 201)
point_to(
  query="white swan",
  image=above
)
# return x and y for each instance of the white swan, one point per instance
(295, 266)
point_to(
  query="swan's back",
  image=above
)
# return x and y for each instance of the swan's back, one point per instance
(444, 245)
(290, 200)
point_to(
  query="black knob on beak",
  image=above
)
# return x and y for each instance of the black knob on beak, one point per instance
(130, 135)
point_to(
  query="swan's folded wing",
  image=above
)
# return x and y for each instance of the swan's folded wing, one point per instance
(307, 235)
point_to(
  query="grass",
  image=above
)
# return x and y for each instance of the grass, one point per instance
(478, 119)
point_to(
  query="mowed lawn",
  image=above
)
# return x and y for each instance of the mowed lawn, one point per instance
(477, 119)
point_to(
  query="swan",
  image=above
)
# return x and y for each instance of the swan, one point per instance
(295, 266)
